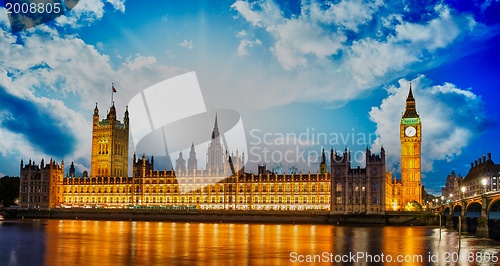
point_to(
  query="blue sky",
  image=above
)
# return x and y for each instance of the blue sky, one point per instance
(340, 68)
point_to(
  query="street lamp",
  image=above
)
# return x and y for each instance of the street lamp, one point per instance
(463, 192)
(484, 185)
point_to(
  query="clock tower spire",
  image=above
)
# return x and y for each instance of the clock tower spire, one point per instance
(411, 107)
(411, 137)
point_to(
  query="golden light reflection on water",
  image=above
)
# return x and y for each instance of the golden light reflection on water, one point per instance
(76, 242)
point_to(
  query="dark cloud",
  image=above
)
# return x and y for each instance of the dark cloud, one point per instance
(36, 123)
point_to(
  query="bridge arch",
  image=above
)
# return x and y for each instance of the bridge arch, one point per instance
(457, 212)
(446, 216)
(472, 214)
(492, 203)
(494, 219)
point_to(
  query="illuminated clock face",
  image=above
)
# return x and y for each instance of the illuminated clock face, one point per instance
(410, 131)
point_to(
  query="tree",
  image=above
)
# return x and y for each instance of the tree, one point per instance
(9, 190)
(413, 206)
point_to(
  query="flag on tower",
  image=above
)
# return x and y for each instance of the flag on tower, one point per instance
(113, 90)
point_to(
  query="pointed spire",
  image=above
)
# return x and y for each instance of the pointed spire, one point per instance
(411, 108)
(112, 111)
(410, 94)
(215, 132)
(216, 125)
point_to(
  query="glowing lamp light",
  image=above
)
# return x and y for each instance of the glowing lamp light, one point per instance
(463, 189)
(484, 181)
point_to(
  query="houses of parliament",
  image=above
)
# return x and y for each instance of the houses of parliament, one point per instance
(224, 184)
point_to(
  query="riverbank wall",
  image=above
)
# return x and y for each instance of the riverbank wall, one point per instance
(279, 217)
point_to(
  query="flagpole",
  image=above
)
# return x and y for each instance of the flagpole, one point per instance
(112, 86)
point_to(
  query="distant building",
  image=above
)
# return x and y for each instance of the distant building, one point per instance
(400, 193)
(215, 153)
(358, 190)
(482, 170)
(411, 137)
(224, 183)
(452, 186)
(394, 193)
(109, 144)
(40, 185)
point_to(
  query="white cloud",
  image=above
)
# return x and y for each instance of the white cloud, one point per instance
(246, 11)
(4, 19)
(369, 59)
(245, 44)
(487, 4)
(346, 14)
(86, 11)
(186, 44)
(118, 5)
(450, 117)
(164, 19)
(297, 39)
(339, 50)
(140, 61)
(437, 33)
(66, 68)
(241, 34)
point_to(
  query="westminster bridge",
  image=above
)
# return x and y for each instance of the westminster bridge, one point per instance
(479, 214)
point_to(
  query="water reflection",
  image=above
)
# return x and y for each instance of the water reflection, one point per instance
(72, 242)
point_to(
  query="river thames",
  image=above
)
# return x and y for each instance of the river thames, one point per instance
(79, 242)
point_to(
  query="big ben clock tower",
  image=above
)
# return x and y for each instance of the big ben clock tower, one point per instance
(411, 137)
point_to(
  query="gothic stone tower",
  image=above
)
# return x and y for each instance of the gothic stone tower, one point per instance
(322, 166)
(109, 145)
(411, 137)
(357, 190)
(215, 153)
(192, 161)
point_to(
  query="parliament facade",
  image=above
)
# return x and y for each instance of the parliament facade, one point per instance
(223, 184)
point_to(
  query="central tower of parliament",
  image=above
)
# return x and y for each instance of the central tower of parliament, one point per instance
(223, 184)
